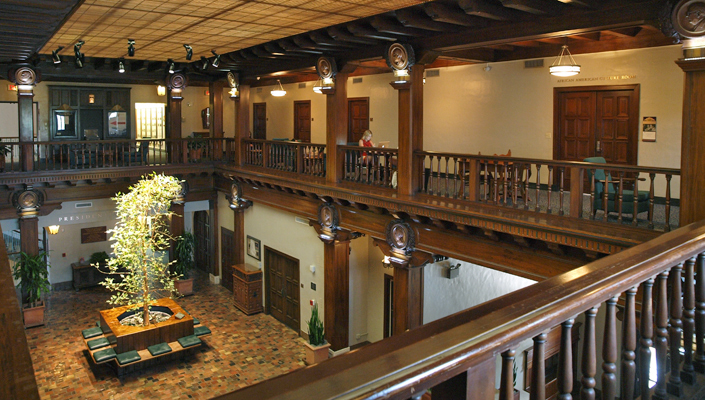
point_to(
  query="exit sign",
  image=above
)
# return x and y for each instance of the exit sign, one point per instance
(11, 88)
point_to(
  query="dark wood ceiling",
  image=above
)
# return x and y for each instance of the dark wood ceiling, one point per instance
(441, 32)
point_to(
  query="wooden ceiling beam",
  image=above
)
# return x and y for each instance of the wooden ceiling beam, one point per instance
(482, 55)
(527, 43)
(289, 46)
(582, 3)
(363, 31)
(626, 32)
(592, 37)
(484, 9)
(344, 36)
(412, 19)
(323, 39)
(306, 43)
(262, 53)
(502, 47)
(533, 6)
(456, 16)
(392, 26)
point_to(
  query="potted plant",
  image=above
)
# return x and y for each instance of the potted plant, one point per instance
(32, 272)
(196, 146)
(183, 264)
(4, 151)
(316, 347)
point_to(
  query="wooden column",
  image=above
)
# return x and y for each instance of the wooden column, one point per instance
(337, 293)
(693, 143)
(242, 123)
(336, 127)
(29, 235)
(174, 106)
(408, 297)
(213, 214)
(177, 225)
(215, 103)
(25, 78)
(239, 235)
(410, 132)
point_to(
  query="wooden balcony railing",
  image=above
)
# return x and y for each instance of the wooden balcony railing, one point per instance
(553, 186)
(369, 165)
(302, 158)
(70, 155)
(455, 356)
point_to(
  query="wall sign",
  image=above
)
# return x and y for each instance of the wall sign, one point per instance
(648, 129)
(93, 235)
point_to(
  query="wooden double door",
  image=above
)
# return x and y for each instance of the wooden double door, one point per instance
(599, 121)
(282, 288)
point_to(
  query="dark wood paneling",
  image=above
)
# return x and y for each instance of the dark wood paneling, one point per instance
(282, 277)
(29, 235)
(259, 121)
(408, 299)
(336, 127)
(302, 120)
(358, 117)
(337, 293)
(227, 259)
(215, 99)
(201, 232)
(242, 123)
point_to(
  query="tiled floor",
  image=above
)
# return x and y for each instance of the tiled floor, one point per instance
(242, 350)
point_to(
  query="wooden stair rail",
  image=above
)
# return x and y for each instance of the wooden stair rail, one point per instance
(405, 366)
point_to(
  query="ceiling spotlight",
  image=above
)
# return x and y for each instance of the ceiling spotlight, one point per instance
(216, 60)
(204, 63)
(189, 52)
(55, 55)
(131, 47)
(121, 66)
(170, 62)
(77, 53)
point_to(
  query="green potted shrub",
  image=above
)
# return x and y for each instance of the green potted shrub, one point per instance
(32, 272)
(183, 264)
(4, 151)
(196, 146)
(316, 347)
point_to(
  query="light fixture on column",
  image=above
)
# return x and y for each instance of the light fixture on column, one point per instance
(55, 55)
(401, 75)
(170, 65)
(234, 84)
(564, 64)
(53, 229)
(77, 52)
(189, 52)
(161, 90)
(278, 92)
(121, 66)
(317, 86)
(216, 60)
(131, 47)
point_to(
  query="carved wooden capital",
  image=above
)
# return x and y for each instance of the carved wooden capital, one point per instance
(27, 202)
(237, 203)
(326, 67)
(400, 236)
(327, 225)
(688, 18)
(415, 259)
(399, 56)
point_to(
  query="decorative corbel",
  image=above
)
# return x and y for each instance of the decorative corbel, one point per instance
(237, 203)
(398, 247)
(327, 226)
(28, 202)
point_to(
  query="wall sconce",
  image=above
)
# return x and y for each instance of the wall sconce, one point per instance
(386, 262)
(280, 92)
(234, 92)
(91, 99)
(451, 271)
(216, 60)
(189, 52)
(53, 229)
(121, 66)
(55, 55)
(325, 85)
(131, 47)
(161, 90)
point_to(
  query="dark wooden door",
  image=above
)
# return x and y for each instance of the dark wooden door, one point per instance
(282, 286)
(358, 118)
(597, 121)
(302, 120)
(259, 121)
(227, 257)
(201, 230)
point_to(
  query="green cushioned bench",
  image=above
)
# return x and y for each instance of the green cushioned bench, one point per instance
(189, 341)
(128, 357)
(201, 330)
(102, 356)
(159, 349)
(91, 332)
(97, 343)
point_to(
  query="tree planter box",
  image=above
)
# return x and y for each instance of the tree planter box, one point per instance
(139, 337)
(33, 316)
(184, 286)
(316, 354)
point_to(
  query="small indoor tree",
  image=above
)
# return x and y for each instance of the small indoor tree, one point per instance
(139, 237)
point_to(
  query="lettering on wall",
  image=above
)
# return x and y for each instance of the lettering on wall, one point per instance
(599, 78)
(78, 218)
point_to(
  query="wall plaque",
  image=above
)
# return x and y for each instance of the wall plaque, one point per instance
(92, 235)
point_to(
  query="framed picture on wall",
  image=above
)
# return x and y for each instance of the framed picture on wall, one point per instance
(253, 248)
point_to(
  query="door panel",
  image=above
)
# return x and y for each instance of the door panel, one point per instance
(302, 121)
(259, 121)
(614, 122)
(358, 118)
(282, 285)
(577, 116)
(201, 230)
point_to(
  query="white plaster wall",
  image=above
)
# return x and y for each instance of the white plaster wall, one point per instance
(195, 99)
(384, 105)
(228, 113)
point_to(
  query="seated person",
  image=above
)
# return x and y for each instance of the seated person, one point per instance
(366, 141)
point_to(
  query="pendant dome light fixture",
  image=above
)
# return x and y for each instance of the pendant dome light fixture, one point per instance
(278, 92)
(564, 64)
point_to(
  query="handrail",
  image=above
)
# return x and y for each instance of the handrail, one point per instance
(517, 182)
(284, 155)
(375, 166)
(411, 363)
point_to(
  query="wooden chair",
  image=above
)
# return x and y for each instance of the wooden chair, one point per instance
(603, 179)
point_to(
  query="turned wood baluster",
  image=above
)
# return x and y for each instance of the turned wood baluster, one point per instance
(561, 190)
(495, 181)
(661, 342)
(628, 372)
(538, 184)
(592, 194)
(526, 187)
(700, 313)
(645, 342)
(455, 178)
(438, 175)
(636, 198)
(505, 183)
(589, 362)
(538, 369)
(652, 176)
(621, 196)
(506, 385)
(515, 184)
(565, 363)
(609, 351)
(675, 330)
(550, 185)
(688, 372)
(486, 183)
(668, 202)
(447, 186)
(605, 194)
